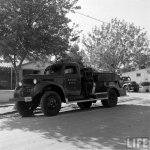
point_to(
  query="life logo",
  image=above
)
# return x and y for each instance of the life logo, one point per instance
(137, 143)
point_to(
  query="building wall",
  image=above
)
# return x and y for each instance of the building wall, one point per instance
(7, 78)
(139, 75)
(5, 95)
(7, 74)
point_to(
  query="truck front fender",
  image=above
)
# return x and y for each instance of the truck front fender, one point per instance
(49, 86)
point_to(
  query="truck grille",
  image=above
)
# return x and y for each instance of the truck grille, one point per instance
(26, 91)
(27, 81)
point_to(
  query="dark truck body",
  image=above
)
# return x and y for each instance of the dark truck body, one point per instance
(66, 83)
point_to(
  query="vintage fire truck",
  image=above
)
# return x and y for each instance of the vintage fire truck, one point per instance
(66, 83)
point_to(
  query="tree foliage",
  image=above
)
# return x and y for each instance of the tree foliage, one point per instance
(72, 55)
(32, 29)
(117, 44)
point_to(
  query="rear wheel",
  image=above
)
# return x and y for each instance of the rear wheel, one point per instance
(50, 103)
(104, 103)
(25, 109)
(112, 99)
(136, 90)
(84, 105)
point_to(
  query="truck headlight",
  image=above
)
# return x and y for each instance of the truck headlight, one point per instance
(35, 81)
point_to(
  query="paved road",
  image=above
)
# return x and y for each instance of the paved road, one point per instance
(74, 129)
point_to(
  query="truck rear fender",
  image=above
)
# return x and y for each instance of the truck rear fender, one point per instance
(116, 90)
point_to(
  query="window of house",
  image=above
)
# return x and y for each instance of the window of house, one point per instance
(138, 74)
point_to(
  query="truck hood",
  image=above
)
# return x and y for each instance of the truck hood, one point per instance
(28, 79)
(37, 76)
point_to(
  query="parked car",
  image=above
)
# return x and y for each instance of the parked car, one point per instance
(130, 85)
(144, 86)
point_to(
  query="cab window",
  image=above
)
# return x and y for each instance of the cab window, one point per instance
(70, 70)
(54, 69)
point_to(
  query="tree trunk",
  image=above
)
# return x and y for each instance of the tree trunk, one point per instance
(17, 70)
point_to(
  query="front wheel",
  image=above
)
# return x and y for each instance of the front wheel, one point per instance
(112, 99)
(84, 105)
(50, 103)
(25, 109)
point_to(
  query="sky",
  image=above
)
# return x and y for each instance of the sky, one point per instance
(132, 11)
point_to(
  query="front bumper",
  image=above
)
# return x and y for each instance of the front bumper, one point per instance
(25, 99)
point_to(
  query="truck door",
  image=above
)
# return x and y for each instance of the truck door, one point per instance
(72, 83)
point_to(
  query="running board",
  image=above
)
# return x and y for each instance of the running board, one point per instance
(87, 100)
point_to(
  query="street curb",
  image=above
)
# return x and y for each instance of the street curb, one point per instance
(8, 105)
(126, 100)
(8, 113)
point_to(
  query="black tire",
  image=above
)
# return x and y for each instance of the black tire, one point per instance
(50, 103)
(136, 90)
(104, 103)
(24, 108)
(112, 99)
(84, 105)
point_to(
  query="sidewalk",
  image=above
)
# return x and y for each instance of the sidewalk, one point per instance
(6, 108)
(5, 95)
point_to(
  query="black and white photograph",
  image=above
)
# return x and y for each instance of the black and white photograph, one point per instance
(74, 75)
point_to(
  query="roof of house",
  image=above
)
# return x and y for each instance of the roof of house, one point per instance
(35, 65)
(7, 65)
(26, 64)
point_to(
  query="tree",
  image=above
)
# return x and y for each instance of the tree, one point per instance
(117, 44)
(72, 55)
(33, 29)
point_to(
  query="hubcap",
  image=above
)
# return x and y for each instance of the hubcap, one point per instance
(28, 106)
(52, 102)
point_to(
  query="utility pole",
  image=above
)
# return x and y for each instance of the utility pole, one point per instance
(11, 72)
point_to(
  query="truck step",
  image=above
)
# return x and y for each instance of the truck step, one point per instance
(99, 95)
(85, 100)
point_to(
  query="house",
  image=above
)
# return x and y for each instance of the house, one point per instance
(7, 77)
(7, 74)
(33, 68)
(140, 75)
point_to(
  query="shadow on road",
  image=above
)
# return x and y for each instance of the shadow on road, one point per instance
(97, 128)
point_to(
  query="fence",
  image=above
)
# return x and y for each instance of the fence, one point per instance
(7, 78)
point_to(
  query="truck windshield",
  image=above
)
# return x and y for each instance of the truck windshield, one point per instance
(54, 69)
